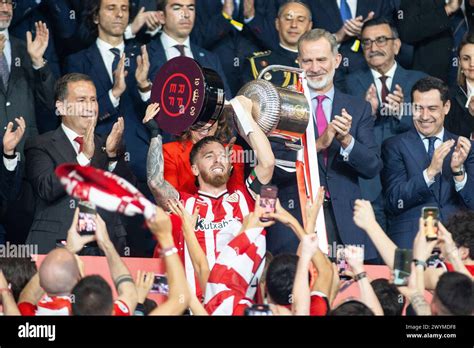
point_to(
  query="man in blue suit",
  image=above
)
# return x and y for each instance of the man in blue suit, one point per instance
(345, 18)
(178, 19)
(120, 73)
(385, 84)
(345, 139)
(224, 28)
(426, 166)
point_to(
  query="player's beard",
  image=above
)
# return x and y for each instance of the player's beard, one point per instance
(215, 180)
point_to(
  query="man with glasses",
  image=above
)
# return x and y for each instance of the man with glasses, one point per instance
(385, 84)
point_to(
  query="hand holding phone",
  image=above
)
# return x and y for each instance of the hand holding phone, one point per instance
(402, 266)
(86, 224)
(268, 197)
(430, 216)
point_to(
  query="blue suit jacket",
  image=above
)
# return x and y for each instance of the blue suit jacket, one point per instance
(341, 178)
(326, 15)
(215, 33)
(405, 158)
(207, 59)
(131, 107)
(385, 127)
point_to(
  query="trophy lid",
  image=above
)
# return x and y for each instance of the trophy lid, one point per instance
(188, 95)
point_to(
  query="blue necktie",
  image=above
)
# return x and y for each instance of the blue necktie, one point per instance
(116, 61)
(345, 11)
(431, 146)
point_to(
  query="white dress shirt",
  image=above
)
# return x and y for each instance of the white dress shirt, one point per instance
(172, 52)
(459, 185)
(81, 158)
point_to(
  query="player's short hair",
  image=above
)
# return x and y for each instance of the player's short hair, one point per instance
(92, 296)
(200, 144)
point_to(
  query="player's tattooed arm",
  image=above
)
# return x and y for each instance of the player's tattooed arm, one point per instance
(160, 188)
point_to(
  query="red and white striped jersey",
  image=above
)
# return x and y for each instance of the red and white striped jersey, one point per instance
(219, 221)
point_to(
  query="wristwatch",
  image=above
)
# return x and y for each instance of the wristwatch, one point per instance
(147, 88)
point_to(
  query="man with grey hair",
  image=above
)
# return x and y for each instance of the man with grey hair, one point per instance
(344, 139)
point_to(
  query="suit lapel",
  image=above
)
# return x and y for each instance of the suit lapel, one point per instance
(98, 65)
(199, 55)
(398, 79)
(447, 177)
(365, 79)
(63, 146)
(157, 55)
(415, 147)
(337, 105)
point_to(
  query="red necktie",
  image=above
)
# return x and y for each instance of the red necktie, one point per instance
(321, 122)
(385, 90)
(80, 141)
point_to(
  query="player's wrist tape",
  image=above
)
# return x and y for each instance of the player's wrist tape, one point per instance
(242, 117)
(168, 251)
(360, 276)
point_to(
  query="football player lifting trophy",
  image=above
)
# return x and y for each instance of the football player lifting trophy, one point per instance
(193, 96)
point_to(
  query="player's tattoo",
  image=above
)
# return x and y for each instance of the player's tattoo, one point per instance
(419, 304)
(161, 189)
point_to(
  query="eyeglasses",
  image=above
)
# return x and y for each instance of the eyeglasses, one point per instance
(380, 41)
(203, 129)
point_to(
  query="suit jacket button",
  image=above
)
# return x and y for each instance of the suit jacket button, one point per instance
(8, 103)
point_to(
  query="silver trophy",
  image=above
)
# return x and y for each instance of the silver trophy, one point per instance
(279, 112)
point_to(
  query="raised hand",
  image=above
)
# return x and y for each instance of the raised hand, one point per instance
(342, 124)
(438, 158)
(394, 102)
(249, 8)
(113, 140)
(120, 74)
(364, 216)
(12, 139)
(37, 47)
(143, 67)
(372, 98)
(312, 211)
(139, 21)
(88, 147)
(144, 283)
(460, 154)
(75, 242)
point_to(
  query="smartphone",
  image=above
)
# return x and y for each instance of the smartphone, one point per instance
(430, 214)
(160, 285)
(268, 197)
(342, 264)
(258, 310)
(402, 266)
(87, 218)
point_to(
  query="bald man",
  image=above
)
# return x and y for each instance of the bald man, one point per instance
(48, 292)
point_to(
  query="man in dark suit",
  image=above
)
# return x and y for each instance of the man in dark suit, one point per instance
(224, 28)
(73, 142)
(119, 93)
(345, 139)
(426, 24)
(178, 22)
(385, 85)
(11, 168)
(345, 19)
(25, 75)
(426, 166)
